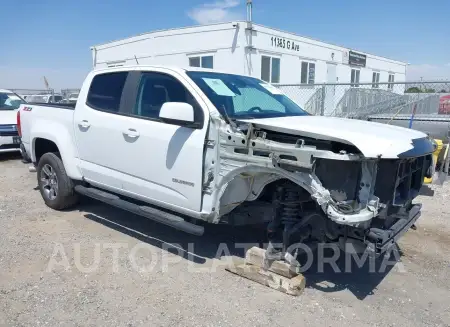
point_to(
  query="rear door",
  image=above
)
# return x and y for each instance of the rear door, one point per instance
(163, 162)
(98, 127)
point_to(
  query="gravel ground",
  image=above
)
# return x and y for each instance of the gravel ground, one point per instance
(49, 274)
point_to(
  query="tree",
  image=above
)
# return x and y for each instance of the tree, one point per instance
(430, 91)
(413, 89)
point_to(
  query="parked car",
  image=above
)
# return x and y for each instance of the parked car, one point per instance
(73, 97)
(9, 136)
(188, 146)
(45, 98)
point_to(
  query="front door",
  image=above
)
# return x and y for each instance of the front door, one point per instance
(160, 161)
(124, 146)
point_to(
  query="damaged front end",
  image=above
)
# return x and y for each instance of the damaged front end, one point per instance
(308, 189)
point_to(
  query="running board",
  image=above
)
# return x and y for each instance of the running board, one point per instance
(155, 214)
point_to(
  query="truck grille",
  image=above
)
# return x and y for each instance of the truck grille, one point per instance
(399, 181)
(8, 130)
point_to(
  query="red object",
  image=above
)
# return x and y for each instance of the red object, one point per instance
(444, 105)
(19, 127)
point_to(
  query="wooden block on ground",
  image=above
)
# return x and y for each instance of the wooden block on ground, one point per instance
(255, 256)
(292, 286)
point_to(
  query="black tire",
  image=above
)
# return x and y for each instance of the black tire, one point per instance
(60, 194)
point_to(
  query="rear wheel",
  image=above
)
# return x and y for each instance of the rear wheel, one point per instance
(55, 186)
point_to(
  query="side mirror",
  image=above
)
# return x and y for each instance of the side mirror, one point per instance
(177, 113)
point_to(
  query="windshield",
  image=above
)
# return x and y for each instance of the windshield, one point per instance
(73, 95)
(10, 101)
(245, 97)
(37, 98)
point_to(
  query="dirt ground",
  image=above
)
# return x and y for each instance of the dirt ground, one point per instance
(100, 266)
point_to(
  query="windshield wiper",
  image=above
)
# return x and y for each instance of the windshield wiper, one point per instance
(231, 121)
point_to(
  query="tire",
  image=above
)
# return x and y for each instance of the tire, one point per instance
(55, 186)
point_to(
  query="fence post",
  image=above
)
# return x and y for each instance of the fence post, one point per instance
(322, 102)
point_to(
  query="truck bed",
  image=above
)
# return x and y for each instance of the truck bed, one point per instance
(70, 106)
(45, 118)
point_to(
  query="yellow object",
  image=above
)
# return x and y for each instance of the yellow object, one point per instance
(436, 152)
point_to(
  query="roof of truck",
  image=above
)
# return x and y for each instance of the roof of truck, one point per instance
(177, 69)
(6, 91)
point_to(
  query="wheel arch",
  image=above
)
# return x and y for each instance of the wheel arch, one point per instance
(54, 137)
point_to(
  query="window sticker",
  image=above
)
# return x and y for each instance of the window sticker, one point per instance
(272, 89)
(218, 86)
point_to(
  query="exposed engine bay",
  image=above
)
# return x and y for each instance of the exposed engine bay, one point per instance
(311, 190)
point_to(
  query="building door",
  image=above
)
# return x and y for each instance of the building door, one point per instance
(330, 90)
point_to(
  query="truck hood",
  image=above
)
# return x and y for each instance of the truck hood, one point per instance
(8, 117)
(372, 139)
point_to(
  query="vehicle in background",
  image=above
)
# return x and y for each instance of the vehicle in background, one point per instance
(45, 98)
(24, 96)
(436, 126)
(73, 97)
(188, 146)
(9, 135)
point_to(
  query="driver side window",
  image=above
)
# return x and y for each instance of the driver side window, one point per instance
(251, 98)
(155, 89)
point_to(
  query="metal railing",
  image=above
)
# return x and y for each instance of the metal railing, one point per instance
(363, 100)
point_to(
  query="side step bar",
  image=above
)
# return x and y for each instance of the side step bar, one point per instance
(157, 215)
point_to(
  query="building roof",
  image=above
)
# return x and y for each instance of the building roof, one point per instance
(337, 47)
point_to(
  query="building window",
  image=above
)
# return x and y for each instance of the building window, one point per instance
(270, 69)
(354, 79)
(391, 80)
(308, 74)
(203, 62)
(375, 80)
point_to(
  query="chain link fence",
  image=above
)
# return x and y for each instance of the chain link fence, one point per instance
(368, 100)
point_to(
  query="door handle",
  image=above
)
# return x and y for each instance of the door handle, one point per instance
(84, 124)
(131, 132)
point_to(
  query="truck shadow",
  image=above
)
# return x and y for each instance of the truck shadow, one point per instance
(7, 156)
(222, 240)
(426, 190)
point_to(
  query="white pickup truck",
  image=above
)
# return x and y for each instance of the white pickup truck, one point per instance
(185, 146)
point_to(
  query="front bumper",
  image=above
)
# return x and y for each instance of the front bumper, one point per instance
(379, 240)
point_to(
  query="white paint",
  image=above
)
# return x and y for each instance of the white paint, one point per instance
(177, 111)
(372, 139)
(8, 117)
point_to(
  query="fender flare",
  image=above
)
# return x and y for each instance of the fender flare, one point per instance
(61, 137)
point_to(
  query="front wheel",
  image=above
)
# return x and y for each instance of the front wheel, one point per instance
(55, 186)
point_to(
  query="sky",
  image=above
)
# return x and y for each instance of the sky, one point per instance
(53, 38)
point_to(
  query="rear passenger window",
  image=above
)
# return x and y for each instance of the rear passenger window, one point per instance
(155, 89)
(106, 90)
